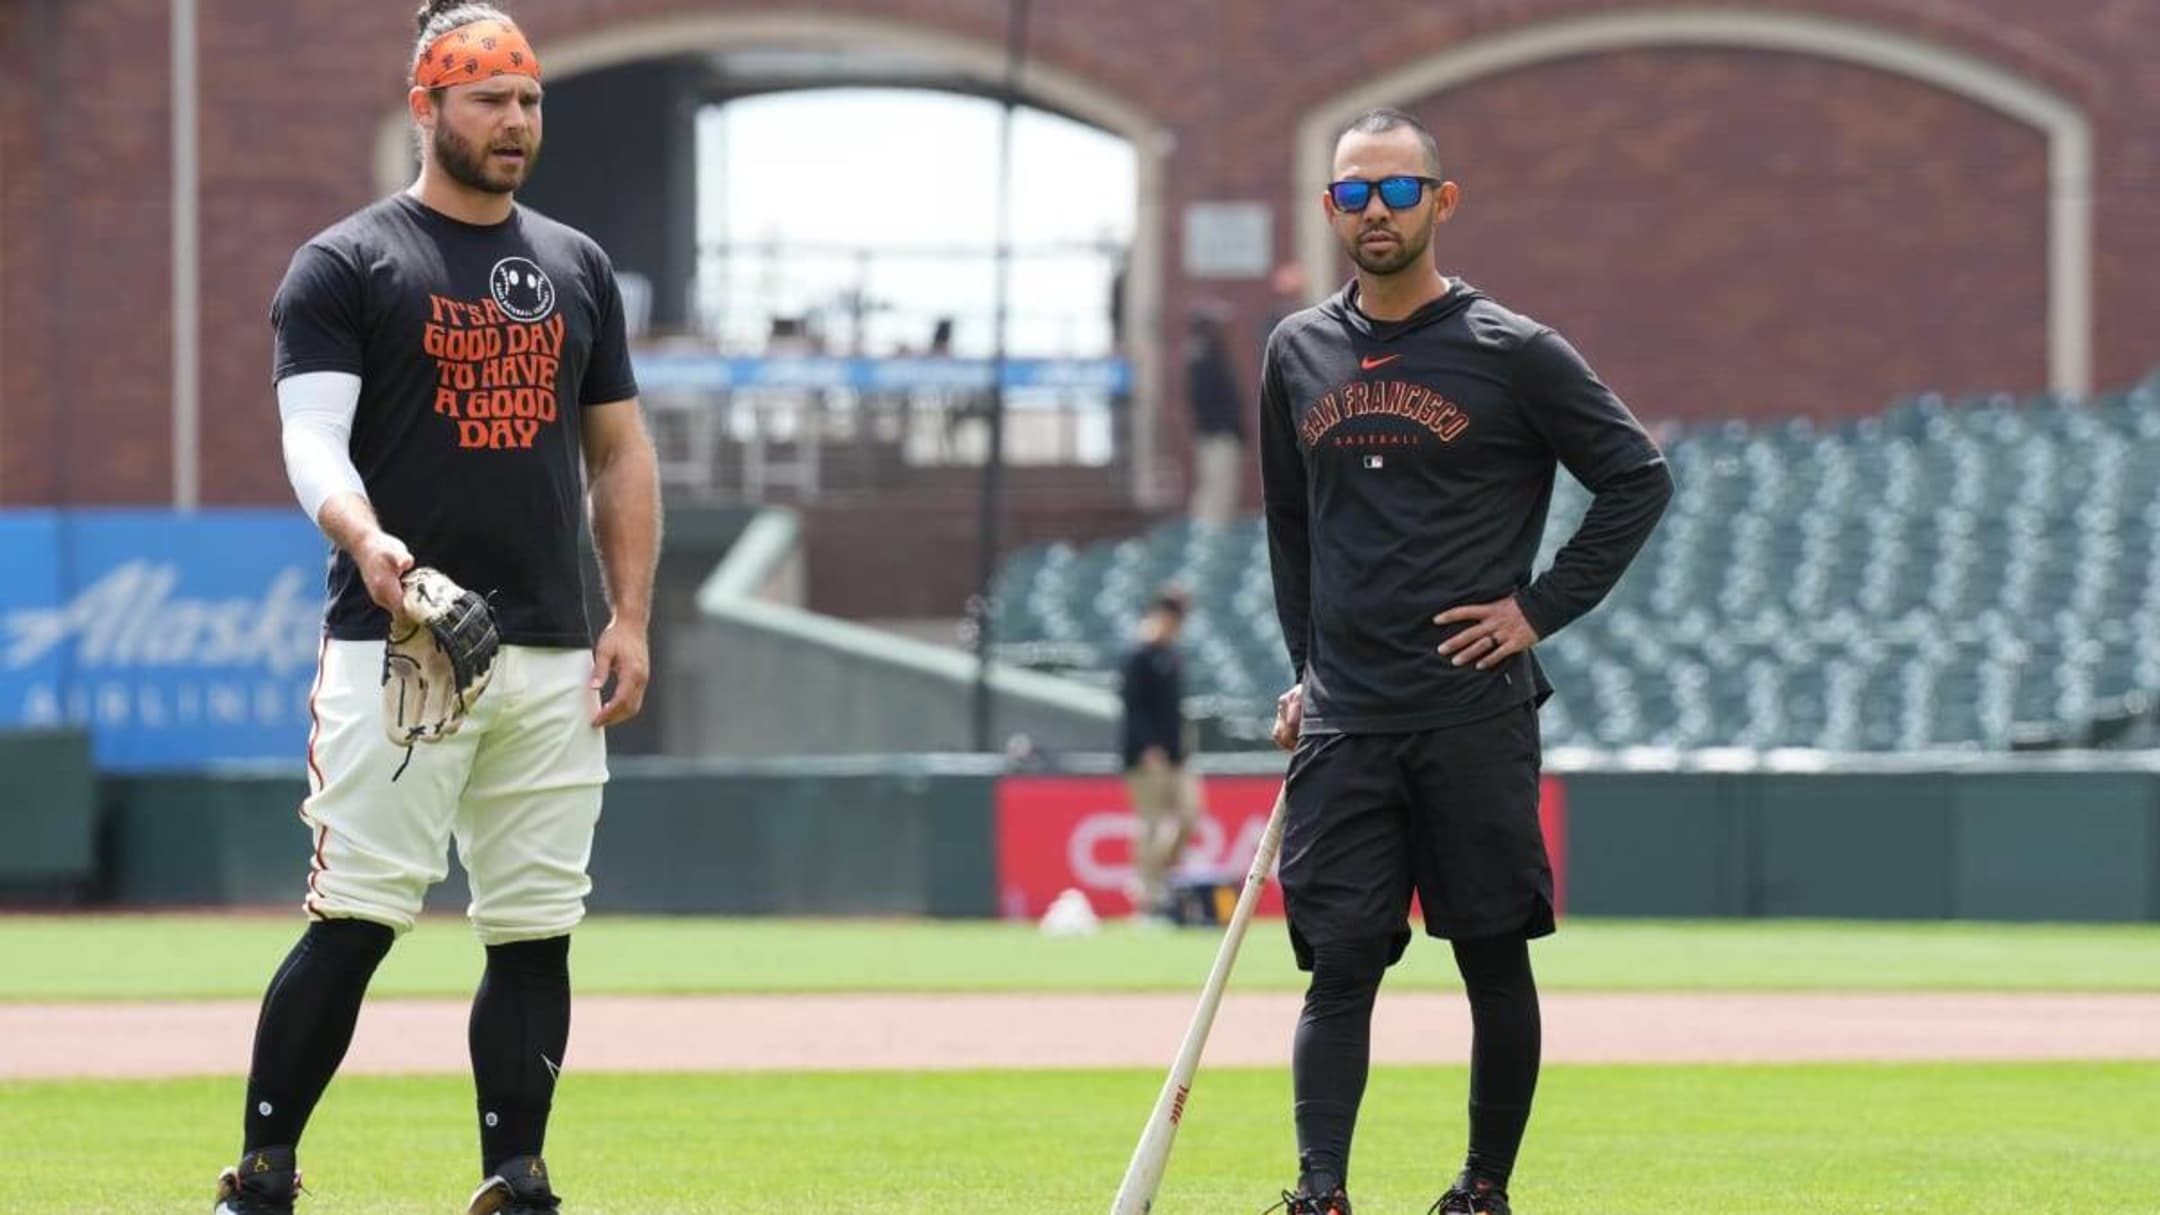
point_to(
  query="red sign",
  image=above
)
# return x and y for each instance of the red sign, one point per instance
(1056, 833)
(1063, 832)
(1552, 816)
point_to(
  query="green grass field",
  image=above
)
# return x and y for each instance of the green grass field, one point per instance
(2023, 1140)
(156, 957)
(2028, 1139)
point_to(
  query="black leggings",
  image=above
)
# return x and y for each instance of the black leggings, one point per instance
(1332, 1053)
(306, 1023)
(520, 1025)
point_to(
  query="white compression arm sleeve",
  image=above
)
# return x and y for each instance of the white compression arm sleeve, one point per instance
(317, 408)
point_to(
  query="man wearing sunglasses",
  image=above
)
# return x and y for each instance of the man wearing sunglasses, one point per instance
(1410, 431)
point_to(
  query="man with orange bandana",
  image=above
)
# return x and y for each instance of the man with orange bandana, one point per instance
(453, 380)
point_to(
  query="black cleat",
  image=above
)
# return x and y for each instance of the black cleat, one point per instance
(519, 1187)
(1472, 1196)
(263, 1183)
(1301, 1203)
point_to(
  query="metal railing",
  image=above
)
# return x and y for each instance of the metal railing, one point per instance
(795, 428)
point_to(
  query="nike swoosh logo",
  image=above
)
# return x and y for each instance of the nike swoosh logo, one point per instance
(1382, 361)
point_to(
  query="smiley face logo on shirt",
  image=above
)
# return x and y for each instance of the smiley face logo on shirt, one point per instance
(521, 289)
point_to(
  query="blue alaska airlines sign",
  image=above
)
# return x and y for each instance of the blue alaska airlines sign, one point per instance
(178, 640)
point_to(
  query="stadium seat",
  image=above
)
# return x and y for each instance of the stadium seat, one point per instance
(1970, 572)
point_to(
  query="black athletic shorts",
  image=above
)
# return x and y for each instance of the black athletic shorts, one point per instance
(1451, 813)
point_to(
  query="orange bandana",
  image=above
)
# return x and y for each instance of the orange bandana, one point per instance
(476, 52)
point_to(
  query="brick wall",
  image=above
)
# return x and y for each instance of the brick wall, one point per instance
(1723, 232)
(88, 337)
(1844, 235)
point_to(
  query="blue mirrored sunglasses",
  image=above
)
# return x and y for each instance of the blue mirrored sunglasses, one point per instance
(1396, 193)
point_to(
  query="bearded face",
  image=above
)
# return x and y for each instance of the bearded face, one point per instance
(487, 135)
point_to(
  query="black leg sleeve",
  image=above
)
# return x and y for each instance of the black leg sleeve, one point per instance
(1331, 1055)
(520, 1025)
(306, 1024)
(1505, 1044)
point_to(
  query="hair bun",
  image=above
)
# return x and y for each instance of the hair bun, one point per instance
(429, 9)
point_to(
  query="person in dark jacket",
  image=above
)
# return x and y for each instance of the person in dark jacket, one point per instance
(1410, 432)
(1152, 743)
(1218, 419)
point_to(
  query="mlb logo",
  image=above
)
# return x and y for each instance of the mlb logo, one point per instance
(1376, 461)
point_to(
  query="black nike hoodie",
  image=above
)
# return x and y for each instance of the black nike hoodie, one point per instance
(1407, 468)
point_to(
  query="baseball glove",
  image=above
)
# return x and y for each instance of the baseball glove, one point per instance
(438, 659)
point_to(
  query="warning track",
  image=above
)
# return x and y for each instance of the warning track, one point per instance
(921, 1032)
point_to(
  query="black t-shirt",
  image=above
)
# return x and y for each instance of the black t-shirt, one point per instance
(477, 346)
(1407, 468)
(1217, 406)
(1153, 689)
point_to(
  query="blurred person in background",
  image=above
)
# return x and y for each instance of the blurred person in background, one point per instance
(1218, 418)
(1151, 742)
(1410, 432)
(1287, 285)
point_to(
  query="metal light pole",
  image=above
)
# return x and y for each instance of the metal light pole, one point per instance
(186, 264)
(993, 476)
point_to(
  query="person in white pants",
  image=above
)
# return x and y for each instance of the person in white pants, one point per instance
(454, 381)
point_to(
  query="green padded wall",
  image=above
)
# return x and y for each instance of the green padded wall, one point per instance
(48, 812)
(2056, 846)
